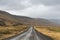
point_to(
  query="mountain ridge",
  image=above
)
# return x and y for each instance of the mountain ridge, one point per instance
(14, 19)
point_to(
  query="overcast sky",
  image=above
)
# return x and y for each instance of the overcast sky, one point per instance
(33, 8)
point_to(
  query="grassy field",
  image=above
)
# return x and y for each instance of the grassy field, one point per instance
(53, 32)
(6, 32)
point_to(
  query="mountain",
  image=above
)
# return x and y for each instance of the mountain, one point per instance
(46, 22)
(56, 21)
(8, 19)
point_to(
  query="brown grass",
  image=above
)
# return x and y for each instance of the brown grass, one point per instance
(6, 32)
(53, 32)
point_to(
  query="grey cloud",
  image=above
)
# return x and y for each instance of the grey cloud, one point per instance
(12, 4)
(56, 8)
(46, 2)
(38, 8)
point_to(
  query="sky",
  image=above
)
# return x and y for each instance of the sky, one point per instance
(49, 9)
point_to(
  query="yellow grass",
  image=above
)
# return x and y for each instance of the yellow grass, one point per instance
(50, 31)
(6, 32)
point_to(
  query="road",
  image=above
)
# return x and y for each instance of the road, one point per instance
(31, 34)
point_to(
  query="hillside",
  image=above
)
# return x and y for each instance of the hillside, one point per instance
(12, 19)
(11, 25)
(8, 19)
(55, 20)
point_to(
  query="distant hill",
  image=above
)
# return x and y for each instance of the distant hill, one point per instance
(56, 20)
(46, 22)
(8, 19)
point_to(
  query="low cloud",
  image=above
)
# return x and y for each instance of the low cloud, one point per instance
(32, 8)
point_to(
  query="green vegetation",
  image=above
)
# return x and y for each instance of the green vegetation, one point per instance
(2, 23)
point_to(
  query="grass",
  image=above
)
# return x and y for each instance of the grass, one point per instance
(6, 32)
(53, 32)
(55, 29)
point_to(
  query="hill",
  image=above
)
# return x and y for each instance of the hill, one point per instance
(8, 19)
(56, 20)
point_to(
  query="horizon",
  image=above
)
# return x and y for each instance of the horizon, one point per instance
(32, 8)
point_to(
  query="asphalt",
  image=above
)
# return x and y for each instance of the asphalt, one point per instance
(31, 34)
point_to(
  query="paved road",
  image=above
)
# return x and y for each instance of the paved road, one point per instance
(31, 34)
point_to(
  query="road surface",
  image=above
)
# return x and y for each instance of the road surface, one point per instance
(31, 34)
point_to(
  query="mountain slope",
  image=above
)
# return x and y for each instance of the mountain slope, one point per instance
(56, 20)
(9, 19)
(12, 19)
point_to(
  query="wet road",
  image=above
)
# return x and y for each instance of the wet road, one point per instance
(31, 34)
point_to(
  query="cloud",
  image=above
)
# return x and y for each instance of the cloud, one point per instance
(34, 11)
(46, 2)
(32, 8)
(14, 4)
